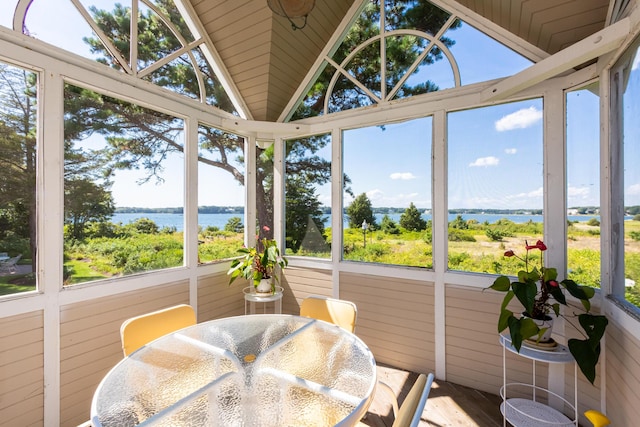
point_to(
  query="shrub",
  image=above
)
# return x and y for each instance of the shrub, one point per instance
(593, 222)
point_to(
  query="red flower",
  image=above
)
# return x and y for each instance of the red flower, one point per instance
(553, 283)
(266, 228)
(509, 253)
(539, 245)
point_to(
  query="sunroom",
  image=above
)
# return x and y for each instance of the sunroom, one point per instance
(140, 138)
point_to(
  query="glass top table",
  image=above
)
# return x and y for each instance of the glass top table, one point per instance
(258, 370)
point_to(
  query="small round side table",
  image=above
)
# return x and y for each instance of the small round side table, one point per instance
(251, 298)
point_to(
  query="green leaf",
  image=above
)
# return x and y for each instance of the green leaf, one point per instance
(594, 326)
(583, 293)
(507, 299)
(501, 284)
(514, 331)
(586, 357)
(557, 294)
(549, 274)
(505, 318)
(528, 327)
(526, 294)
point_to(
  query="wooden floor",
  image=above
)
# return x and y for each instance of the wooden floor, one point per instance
(448, 404)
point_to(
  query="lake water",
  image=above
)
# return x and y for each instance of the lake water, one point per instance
(219, 220)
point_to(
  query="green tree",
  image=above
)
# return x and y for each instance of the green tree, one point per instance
(411, 219)
(303, 217)
(84, 202)
(18, 122)
(401, 52)
(359, 211)
(388, 225)
(234, 224)
(89, 112)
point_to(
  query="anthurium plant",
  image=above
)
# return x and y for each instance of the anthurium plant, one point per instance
(541, 295)
(257, 262)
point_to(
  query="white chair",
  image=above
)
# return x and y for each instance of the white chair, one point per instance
(9, 266)
(410, 412)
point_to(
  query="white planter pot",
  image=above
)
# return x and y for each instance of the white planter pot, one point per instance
(264, 287)
(542, 324)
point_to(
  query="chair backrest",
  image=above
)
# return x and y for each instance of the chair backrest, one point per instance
(339, 312)
(411, 409)
(140, 330)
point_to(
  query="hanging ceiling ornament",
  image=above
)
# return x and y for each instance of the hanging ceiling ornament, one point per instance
(292, 9)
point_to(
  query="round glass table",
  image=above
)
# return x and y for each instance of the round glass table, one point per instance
(258, 370)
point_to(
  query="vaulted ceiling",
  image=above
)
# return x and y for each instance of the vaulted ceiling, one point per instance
(268, 60)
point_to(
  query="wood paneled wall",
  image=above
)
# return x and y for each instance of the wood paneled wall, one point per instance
(90, 342)
(22, 370)
(623, 377)
(395, 319)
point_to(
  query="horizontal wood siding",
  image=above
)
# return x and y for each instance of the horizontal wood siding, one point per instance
(623, 377)
(299, 283)
(216, 299)
(90, 342)
(395, 319)
(474, 355)
(22, 370)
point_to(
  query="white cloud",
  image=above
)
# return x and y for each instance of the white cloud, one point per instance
(375, 195)
(519, 120)
(579, 192)
(636, 62)
(485, 161)
(510, 150)
(529, 195)
(405, 176)
(633, 190)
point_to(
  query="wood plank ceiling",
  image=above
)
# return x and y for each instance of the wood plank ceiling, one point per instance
(268, 60)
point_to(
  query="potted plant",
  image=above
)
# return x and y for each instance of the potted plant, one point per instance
(541, 294)
(257, 264)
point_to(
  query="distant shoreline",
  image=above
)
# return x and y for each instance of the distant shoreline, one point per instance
(239, 210)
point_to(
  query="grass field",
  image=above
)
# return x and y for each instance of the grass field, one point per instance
(473, 248)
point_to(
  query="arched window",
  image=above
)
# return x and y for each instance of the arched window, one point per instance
(154, 40)
(398, 49)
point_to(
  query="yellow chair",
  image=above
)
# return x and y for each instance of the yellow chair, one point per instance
(339, 312)
(140, 330)
(597, 418)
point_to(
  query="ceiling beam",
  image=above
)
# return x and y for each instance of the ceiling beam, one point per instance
(595, 45)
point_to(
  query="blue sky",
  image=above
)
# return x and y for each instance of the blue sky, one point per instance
(495, 153)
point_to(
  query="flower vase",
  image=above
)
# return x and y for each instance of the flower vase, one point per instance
(547, 323)
(265, 287)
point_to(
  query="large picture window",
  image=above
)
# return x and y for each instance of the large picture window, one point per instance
(495, 185)
(583, 185)
(387, 196)
(629, 85)
(221, 200)
(18, 150)
(124, 188)
(308, 196)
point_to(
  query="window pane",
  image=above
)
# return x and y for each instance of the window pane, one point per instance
(631, 138)
(160, 35)
(387, 196)
(495, 185)
(220, 194)
(308, 196)
(124, 188)
(416, 62)
(583, 185)
(264, 192)
(18, 121)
